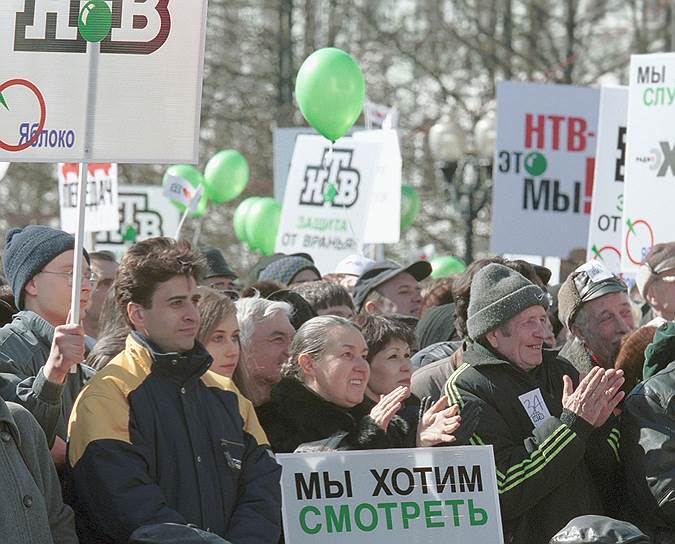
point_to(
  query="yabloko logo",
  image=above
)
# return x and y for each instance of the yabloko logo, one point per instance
(662, 159)
(122, 26)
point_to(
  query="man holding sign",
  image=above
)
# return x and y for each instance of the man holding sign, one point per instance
(39, 349)
(553, 444)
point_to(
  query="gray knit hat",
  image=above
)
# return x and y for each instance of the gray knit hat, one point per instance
(28, 250)
(498, 294)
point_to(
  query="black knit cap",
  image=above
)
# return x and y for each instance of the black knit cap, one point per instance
(499, 293)
(27, 252)
(216, 265)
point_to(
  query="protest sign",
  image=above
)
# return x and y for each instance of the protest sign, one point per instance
(136, 100)
(543, 171)
(101, 198)
(649, 188)
(328, 197)
(604, 233)
(143, 213)
(391, 496)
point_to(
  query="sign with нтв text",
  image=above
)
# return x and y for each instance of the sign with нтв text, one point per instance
(604, 233)
(649, 188)
(391, 496)
(543, 170)
(143, 87)
(101, 202)
(143, 213)
(328, 198)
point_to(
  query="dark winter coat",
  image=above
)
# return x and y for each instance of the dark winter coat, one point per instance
(548, 474)
(156, 438)
(648, 451)
(295, 415)
(429, 380)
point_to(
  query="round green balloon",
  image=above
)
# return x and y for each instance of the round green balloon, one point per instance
(330, 91)
(410, 205)
(239, 218)
(262, 222)
(194, 178)
(226, 176)
(446, 265)
(95, 21)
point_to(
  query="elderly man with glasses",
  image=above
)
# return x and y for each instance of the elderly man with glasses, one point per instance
(593, 304)
(40, 353)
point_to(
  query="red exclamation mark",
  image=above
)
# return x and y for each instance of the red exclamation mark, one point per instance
(588, 183)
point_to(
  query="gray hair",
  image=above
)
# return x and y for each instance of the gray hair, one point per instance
(252, 311)
(311, 339)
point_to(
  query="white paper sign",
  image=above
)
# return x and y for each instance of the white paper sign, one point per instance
(534, 405)
(312, 220)
(145, 83)
(604, 233)
(402, 496)
(101, 202)
(143, 213)
(543, 170)
(649, 191)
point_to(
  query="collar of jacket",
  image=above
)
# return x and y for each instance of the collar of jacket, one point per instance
(180, 368)
(297, 398)
(37, 325)
(6, 418)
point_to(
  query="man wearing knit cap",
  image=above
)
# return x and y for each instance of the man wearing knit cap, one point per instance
(593, 304)
(656, 280)
(546, 431)
(38, 348)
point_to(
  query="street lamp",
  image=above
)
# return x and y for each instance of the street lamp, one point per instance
(466, 167)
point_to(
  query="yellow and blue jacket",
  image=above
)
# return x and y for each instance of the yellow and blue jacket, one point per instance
(157, 438)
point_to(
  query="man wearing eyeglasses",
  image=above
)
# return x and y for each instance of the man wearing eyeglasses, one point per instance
(38, 348)
(593, 304)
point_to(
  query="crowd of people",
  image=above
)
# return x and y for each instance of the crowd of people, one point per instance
(157, 419)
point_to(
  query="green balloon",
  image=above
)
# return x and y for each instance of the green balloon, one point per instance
(194, 178)
(226, 176)
(262, 223)
(410, 205)
(239, 218)
(95, 21)
(330, 91)
(446, 265)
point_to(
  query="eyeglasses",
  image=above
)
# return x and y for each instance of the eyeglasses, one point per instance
(91, 277)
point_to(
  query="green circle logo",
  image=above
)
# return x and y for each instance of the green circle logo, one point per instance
(95, 21)
(535, 163)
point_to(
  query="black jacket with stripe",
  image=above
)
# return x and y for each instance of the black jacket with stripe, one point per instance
(157, 438)
(546, 474)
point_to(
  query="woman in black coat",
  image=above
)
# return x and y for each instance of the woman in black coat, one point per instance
(318, 403)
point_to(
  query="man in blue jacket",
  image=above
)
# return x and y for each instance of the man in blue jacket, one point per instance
(155, 437)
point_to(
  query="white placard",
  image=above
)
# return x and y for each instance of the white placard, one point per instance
(391, 496)
(334, 229)
(649, 189)
(604, 233)
(145, 83)
(101, 201)
(543, 170)
(144, 209)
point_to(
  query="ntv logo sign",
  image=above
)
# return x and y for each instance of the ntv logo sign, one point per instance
(338, 173)
(138, 28)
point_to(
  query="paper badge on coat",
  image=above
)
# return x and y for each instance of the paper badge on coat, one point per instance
(534, 405)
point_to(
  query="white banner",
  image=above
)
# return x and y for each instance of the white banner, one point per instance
(649, 189)
(543, 170)
(405, 496)
(101, 203)
(380, 116)
(143, 213)
(604, 233)
(143, 88)
(328, 197)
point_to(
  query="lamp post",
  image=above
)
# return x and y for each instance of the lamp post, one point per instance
(466, 167)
